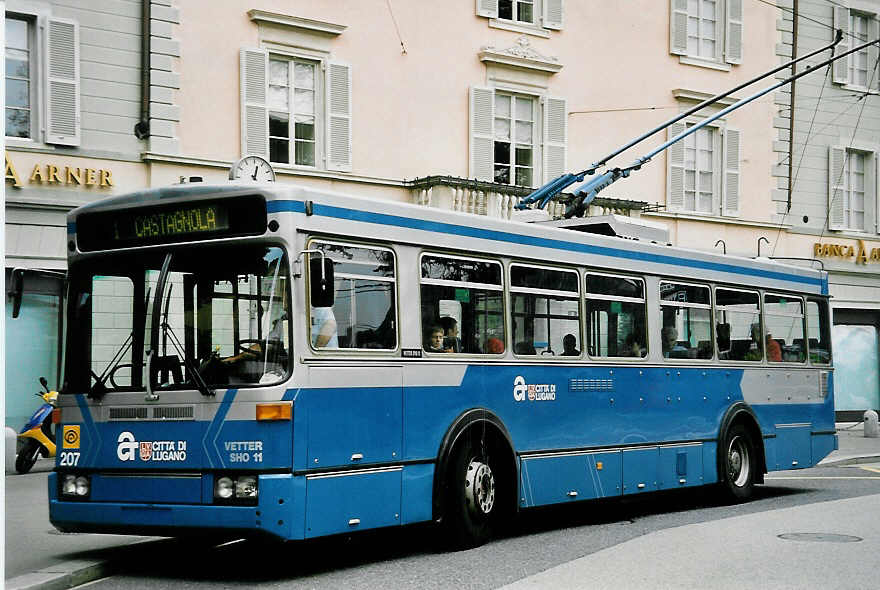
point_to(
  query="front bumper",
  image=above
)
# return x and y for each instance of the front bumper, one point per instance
(277, 513)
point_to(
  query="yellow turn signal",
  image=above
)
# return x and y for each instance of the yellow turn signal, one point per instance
(275, 411)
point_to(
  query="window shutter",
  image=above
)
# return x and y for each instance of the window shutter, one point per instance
(840, 68)
(254, 112)
(339, 117)
(487, 8)
(553, 14)
(734, 32)
(675, 170)
(731, 188)
(873, 55)
(678, 33)
(481, 126)
(555, 137)
(62, 82)
(836, 164)
(871, 204)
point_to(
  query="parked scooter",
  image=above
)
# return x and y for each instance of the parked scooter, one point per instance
(37, 434)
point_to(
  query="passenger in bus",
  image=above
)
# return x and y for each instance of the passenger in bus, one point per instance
(450, 327)
(495, 345)
(324, 328)
(434, 341)
(569, 346)
(774, 350)
(756, 348)
(671, 347)
(632, 346)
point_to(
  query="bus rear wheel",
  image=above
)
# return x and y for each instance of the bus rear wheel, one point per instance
(739, 461)
(473, 494)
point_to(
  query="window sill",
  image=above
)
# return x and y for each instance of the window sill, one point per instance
(27, 145)
(516, 27)
(704, 63)
(711, 218)
(855, 234)
(860, 89)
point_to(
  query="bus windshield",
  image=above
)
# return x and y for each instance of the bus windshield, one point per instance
(217, 318)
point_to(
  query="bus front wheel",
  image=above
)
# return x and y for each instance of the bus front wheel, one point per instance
(473, 493)
(739, 461)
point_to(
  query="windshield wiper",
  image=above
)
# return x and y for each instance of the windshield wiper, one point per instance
(153, 352)
(99, 389)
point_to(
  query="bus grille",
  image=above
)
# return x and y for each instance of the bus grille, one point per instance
(151, 413)
(128, 413)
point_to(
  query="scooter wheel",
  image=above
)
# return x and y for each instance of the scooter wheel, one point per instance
(27, 456)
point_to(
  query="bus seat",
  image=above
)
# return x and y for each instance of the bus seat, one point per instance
(738, 349)
(524, 348)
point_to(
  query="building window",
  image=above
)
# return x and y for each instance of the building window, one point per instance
(858, 61)
(700, 170)
(292, 111)
(514, 139)
(529, 16)
(296, 110)
(854, 191)
(707, 31)
(517, 10)
(704, 170)
(702, 29)
(19, 78)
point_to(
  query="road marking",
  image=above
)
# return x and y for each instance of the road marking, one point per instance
(828, 477)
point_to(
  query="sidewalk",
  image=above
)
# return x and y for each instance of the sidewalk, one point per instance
(88, 552)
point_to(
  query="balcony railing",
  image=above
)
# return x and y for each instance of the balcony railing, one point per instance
(499, 200)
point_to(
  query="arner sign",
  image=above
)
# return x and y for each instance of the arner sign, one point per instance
(860, 254)
(60, 175)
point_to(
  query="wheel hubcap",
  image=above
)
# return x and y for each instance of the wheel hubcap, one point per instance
(479, 488)
(738, 468)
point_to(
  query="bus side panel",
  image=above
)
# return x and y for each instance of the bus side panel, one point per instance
(416, 489)
(568, 478)
(348, 502)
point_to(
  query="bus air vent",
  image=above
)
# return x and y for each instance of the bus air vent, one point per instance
(591, 385)
(173, 413)
(128, 413)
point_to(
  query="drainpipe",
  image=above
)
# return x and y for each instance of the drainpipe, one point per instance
(794, 40)
(142, 127)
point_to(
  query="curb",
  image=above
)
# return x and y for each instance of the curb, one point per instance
(852, 460)
(76, 572)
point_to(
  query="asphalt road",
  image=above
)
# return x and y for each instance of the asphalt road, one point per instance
(544, 540)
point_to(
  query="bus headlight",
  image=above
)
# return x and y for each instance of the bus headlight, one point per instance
(246, 486)
(82, 485)
(68, 485)
(223, 488)
(75, 485)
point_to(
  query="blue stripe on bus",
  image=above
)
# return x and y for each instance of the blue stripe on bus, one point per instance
(213, 430)
(91, 430)
(475, 232)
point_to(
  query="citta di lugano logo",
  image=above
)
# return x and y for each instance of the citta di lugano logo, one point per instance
(535, 392)
(128, 449)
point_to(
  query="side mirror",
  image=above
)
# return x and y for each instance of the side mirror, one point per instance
(321, 284)
(16, 289)
(44, 383)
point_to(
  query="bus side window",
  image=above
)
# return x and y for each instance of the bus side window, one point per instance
(364, 312)
(466, 298)
(545, 311)
(686, 328)
(819, 332)
(739, 310)
(616, 324)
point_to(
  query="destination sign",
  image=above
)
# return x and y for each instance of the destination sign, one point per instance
(172, 222)
(186, 220)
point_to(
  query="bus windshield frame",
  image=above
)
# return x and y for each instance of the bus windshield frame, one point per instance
(200, 316)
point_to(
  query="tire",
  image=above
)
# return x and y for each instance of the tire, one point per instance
(28, 455)
(475, 494)
(739, 462)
